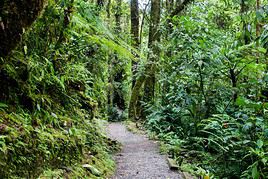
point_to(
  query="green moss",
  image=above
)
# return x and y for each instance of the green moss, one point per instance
(49, 123)
(15, 17)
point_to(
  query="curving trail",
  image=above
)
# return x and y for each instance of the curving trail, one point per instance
(139, 158)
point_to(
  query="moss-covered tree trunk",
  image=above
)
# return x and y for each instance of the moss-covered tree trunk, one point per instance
(15, 17)
(147, 79)
(134, 13)
(154, 39)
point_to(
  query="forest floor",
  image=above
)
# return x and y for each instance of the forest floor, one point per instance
(139, 157)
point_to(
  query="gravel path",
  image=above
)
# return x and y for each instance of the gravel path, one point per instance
(139, 158)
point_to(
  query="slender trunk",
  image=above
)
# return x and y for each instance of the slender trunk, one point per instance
(246, 33)
(234, 83)
(133, 112)
(258, 26)
(135, 23)
(134, 32)
(154, 39)
(142, 20)
(134, 107)
(202, 89)
(134, 13)
(108, 9)
(258, 29)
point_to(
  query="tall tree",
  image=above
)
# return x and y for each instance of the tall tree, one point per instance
(243, 11)
(258, 26)
(154, 39)
(148, 76)
(134, 12)
(144, 15)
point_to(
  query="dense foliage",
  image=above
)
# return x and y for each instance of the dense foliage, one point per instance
(52, 96)
(212, 104)
(193, 72)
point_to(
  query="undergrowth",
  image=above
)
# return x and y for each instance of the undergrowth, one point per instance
(52, 97)
(211, 111)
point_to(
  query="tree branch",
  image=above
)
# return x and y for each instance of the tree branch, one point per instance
(180, 8)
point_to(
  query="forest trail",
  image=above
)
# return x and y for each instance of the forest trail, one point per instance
(139, 157)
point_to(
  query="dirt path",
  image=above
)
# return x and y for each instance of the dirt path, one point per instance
(139, 158)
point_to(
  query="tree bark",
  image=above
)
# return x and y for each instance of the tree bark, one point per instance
(134, 11)
(15, 17)
(134, 107)
(135, 23)
(233, 78)
(243, 11)
(258, 28)
(108, 9)
(134, 14)
(180, 7)
(153, 56)
(142, 20)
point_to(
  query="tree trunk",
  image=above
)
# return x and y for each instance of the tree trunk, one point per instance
(108, 9)
(15, 16)
(134, 10)
(233, 78)
(154, 39)
(243, 11)
(258, 29)
(143, 20)
(134, 107)
(135, 23)
(134, 13)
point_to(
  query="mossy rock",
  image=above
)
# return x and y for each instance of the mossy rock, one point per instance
(15, 16)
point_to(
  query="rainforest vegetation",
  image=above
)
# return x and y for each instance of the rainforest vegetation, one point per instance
(192, 73)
